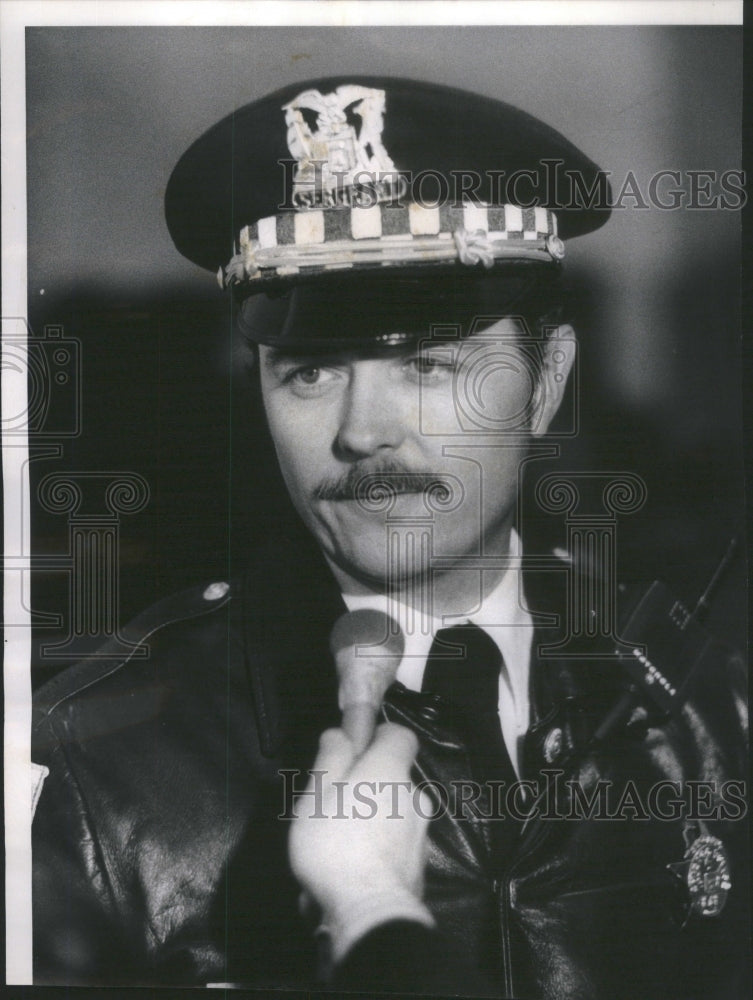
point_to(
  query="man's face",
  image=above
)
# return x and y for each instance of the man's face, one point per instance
(378, 440)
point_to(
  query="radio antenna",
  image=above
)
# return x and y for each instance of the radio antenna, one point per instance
(704, 601)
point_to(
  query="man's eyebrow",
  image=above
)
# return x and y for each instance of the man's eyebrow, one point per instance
(275, 359)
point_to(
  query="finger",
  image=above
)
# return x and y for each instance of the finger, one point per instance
(391, 753)
(359, 721)
(399, 739)
(336, 755)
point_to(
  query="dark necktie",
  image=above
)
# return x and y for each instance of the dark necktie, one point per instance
(463, 669)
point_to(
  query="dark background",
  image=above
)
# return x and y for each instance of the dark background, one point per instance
(109, 112)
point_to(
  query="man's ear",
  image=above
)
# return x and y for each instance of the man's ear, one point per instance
(559, 355)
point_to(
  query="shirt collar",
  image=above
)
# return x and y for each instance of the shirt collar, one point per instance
(502, 614)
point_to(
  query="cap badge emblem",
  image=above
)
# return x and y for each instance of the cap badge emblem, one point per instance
(336, 140)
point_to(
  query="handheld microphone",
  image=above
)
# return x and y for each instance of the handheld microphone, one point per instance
(367, 646)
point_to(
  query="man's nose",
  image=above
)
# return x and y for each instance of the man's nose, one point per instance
(371, 420)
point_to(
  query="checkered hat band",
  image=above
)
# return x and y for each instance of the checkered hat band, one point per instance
(387, 234)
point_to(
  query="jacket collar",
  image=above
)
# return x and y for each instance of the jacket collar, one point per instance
(290, 604)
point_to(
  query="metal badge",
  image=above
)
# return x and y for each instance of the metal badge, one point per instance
(337, 140)
(708, 876)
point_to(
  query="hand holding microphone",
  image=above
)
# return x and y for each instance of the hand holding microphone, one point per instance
(363, 870)
(367, 646)
(363, 874)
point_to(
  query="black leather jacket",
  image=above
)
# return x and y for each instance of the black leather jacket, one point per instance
(159, 856)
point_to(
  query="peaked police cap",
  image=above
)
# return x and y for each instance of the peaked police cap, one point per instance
(329, 181)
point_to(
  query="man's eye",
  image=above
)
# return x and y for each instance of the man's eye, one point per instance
(309, 377)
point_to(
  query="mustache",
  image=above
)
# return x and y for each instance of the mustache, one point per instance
(360, 483)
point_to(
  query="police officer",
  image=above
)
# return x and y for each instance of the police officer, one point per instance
(394, 250)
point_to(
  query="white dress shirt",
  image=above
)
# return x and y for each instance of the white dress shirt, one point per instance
(503, 615)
